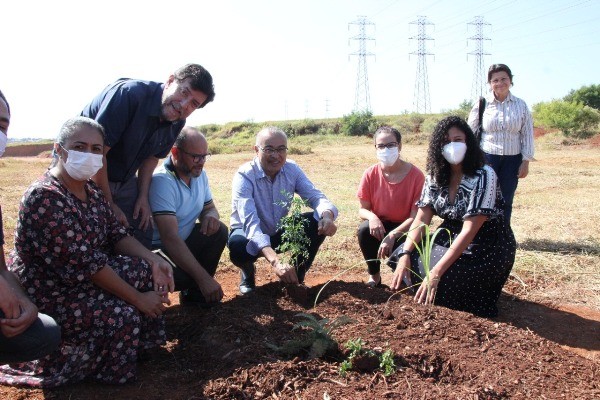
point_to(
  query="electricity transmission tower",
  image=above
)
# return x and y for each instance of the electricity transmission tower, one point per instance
(362, 100)
(479, 75)
(421, 96)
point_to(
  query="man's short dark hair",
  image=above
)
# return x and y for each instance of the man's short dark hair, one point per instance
(200, 80)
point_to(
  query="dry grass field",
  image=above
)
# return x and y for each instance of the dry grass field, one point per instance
(550, 309)
(555, 214)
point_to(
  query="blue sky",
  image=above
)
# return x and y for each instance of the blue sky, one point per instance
(273, 60)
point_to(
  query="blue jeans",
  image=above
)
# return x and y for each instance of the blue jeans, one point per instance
(39, 340)
(507, 169)
(241, 258)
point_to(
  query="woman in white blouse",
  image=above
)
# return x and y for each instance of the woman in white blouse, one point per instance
(507, 137)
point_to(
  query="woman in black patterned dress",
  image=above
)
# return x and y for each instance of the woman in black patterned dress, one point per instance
(79, 266)
(465, 193)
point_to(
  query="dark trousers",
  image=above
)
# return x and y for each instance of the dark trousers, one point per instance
(125, 195)
(369, 244)
(241, 258)
(40, 339)
(206, 249)
(507, 169)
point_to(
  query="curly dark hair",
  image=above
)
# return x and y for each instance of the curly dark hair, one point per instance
(437, 166)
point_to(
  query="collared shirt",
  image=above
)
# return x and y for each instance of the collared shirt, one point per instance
(259, 203)
(507, 127)
(130, 110)
(169, 195)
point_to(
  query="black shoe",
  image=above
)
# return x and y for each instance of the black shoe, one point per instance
(194, 297)
(247, 283)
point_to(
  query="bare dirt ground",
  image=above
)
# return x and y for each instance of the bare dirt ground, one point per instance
(530, 351)
(533, 349)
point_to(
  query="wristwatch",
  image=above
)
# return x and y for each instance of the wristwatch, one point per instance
(403, 252)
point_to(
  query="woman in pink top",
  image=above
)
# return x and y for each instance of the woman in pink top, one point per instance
(387, 193)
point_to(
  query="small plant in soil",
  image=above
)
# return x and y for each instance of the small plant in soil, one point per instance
(316, 340)
(294, 241)
(361, 359)
(386, 362)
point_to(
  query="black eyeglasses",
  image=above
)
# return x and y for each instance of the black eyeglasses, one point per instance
(268, 150)
(389, 145)
(197, 157)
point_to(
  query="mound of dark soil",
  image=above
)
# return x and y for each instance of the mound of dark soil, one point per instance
(222, 353)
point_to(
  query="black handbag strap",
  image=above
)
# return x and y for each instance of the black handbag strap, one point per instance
(481, 110)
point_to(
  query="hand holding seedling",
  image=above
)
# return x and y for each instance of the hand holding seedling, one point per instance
(428, 288)
(285, 272)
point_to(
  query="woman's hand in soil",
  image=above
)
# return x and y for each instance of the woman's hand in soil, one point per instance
(401, 273)
(428, 289)
(285, 272)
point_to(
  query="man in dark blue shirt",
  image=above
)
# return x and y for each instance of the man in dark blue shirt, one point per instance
(142, 120)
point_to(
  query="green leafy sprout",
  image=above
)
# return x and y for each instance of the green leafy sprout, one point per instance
(294, 241)
(316, 340)
(357, 348)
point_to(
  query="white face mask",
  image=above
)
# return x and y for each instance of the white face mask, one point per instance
(3, 141)
(82, 166)
(454, 152)
(388, 156)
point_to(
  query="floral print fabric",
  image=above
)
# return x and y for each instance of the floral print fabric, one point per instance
(60, 243)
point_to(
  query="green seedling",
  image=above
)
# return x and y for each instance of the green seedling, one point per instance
(294, 241)
(316, 340)
(357, 349)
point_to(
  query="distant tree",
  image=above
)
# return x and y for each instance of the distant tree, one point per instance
(466, 106)
(573, 119)
(588, 95)
(358, 123)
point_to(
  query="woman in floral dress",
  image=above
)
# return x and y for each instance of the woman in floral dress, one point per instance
(465, 193)
(78, 265)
